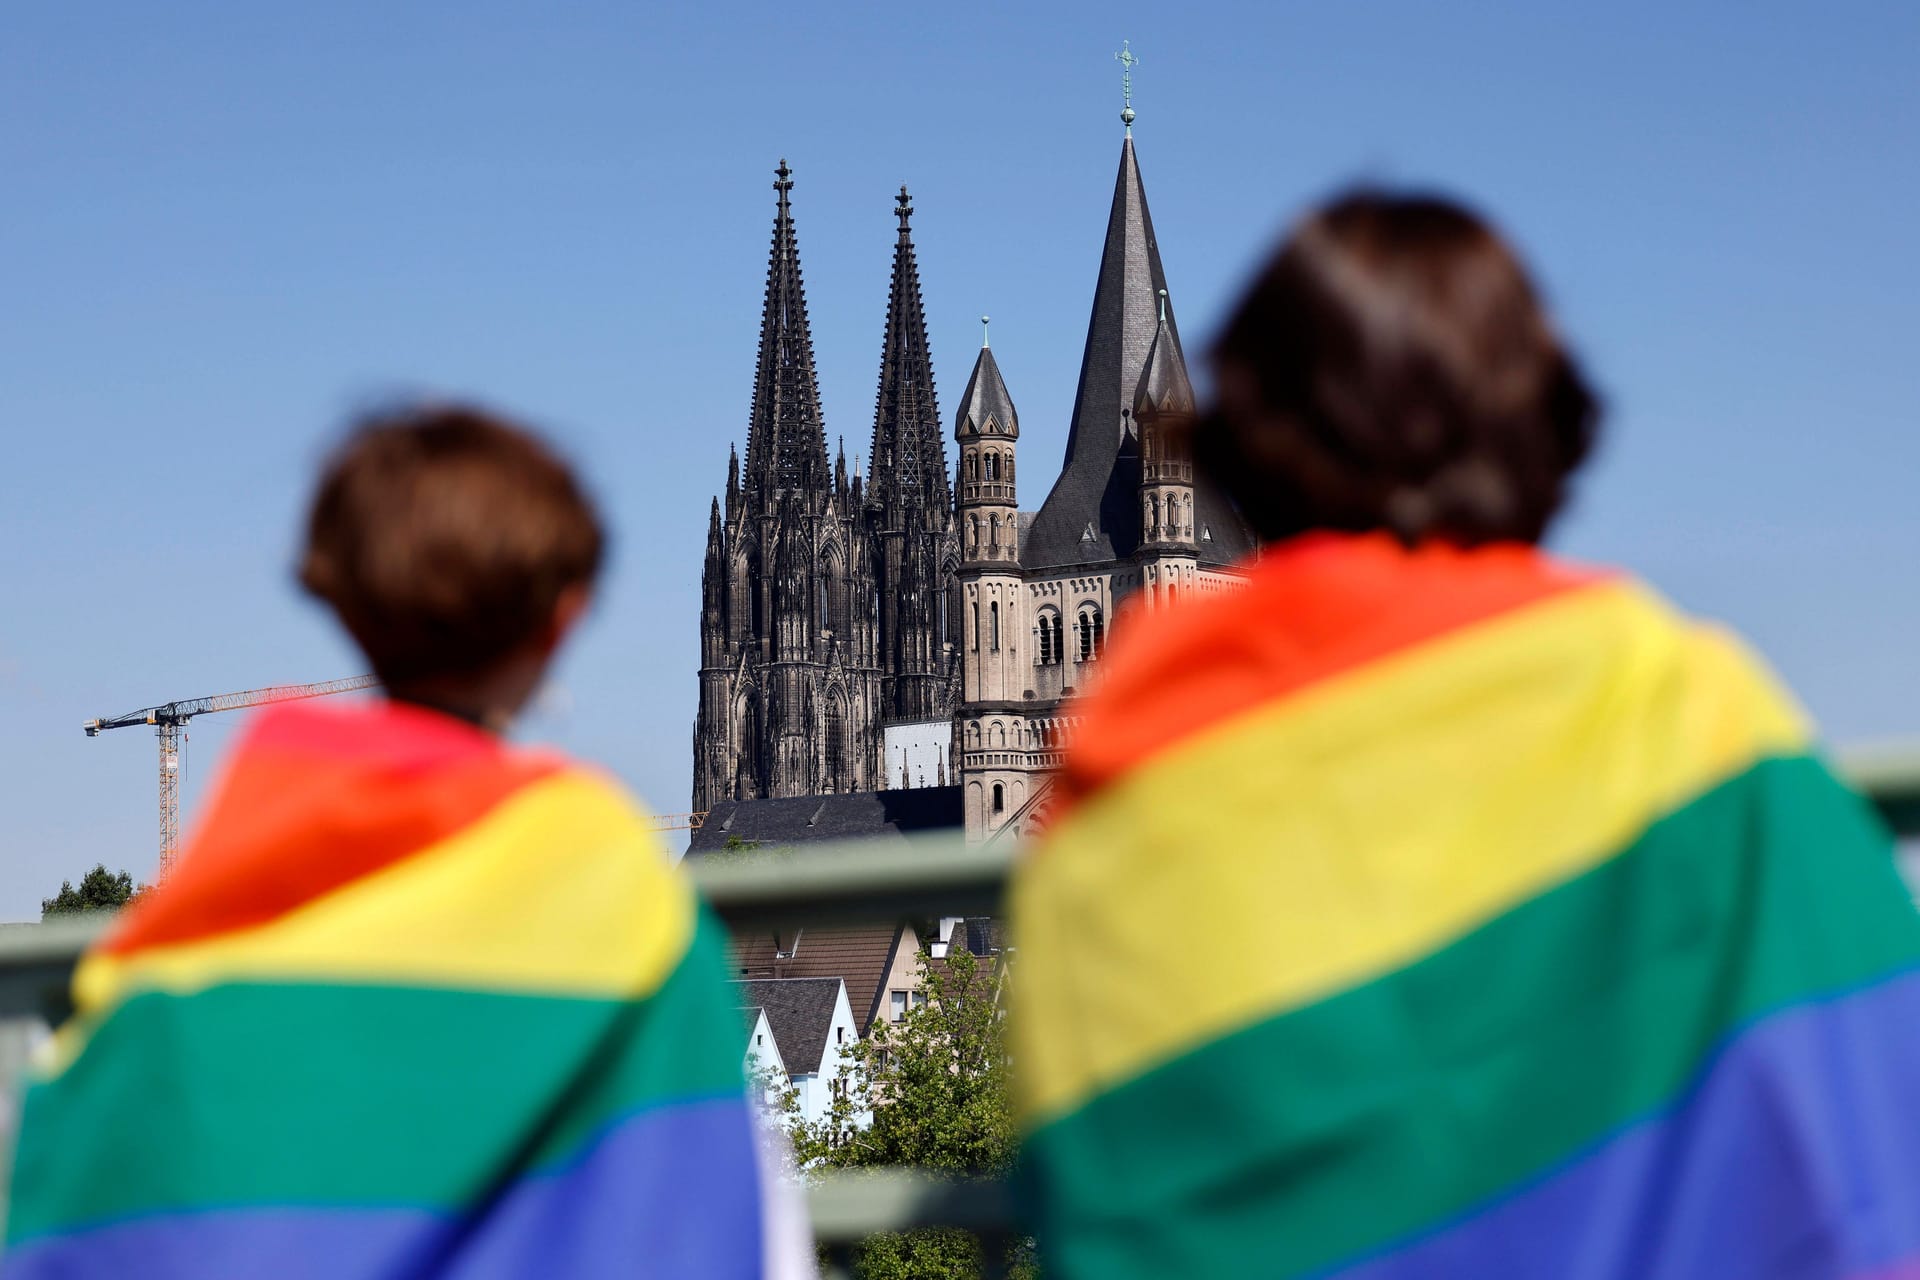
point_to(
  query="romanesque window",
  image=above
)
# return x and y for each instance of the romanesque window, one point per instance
(973, 467)
(993, 465)
(999, 798)
(975, 609)
(1092, 633)
(1052, 640)
(993, 531)
(993, 617)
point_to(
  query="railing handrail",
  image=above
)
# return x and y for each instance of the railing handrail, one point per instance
(928, 875)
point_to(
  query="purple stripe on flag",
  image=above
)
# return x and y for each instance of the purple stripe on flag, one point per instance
(672, 1191)
(1797, 1154)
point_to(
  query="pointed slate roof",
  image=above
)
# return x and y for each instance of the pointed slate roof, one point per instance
(909, 456)
(986, 401)
(786, 440)
(1163, 383)
(1092, 514)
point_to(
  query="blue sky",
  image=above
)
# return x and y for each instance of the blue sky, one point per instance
(224, 227)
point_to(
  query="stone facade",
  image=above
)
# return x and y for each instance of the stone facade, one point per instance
(912, 600)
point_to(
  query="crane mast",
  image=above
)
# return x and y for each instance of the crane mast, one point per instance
(169, 721)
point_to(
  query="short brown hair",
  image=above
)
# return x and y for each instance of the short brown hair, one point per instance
(443, 538)
(1403, 375)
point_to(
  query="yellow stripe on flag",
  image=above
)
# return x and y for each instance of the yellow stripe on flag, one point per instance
(559, 890)
(1339, 834)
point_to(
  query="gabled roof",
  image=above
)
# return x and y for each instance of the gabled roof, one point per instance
(861, 955)
(800, 1011)
(890, 815)
(1092, 515)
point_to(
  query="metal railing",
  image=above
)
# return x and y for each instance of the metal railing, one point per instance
(852, 883)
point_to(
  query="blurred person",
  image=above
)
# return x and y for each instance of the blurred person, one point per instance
(415, 1003)
(1428, 905)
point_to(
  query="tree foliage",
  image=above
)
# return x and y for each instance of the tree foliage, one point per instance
(934, 1085)
(100, 890)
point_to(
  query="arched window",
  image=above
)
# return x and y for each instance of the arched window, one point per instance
(1009, 466)
(993, 465)
(993, 618)
(1092, 633)
(1051, 649)
(999, 798)
(973, 466)
(993, 531)
(999, 735)
(975, 610)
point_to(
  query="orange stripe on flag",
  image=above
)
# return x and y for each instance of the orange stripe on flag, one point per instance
(265, 847)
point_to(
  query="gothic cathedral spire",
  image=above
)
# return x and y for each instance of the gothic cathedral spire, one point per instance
(909, 505)
(786, 440)
(909, 456)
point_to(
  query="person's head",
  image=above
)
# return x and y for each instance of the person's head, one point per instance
(457, 550)
(1393, 368)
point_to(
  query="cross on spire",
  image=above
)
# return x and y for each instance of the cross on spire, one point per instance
(1128, 60)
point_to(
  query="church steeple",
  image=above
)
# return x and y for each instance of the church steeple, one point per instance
(909, 456)
(1091, 516)
(786, 441)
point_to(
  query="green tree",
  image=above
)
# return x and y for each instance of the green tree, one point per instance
(935, 1087)
(100, 890)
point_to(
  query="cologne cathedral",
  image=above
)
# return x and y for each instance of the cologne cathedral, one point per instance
(825, 600)
(844, 626)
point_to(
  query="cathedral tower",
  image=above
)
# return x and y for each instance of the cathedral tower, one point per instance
(789, 675)
(909, 506)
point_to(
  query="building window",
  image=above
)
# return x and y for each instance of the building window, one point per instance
(993, 531)
(1052, 648)
(839, 1036)
(919, 999)
(999, 798)
(1092, 633)
(993, 466)
(993, 617)
(899, 1000)
(976, 626)
(973, 467)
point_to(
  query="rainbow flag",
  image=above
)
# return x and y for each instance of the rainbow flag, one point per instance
(414, 1005)
(1447, 914)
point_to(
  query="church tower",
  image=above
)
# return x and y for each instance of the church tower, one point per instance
(1163, 414)
(789, 674)
(909, 506)
(990, 725)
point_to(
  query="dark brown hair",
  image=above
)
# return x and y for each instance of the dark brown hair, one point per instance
(1393, 368)
(443, 537)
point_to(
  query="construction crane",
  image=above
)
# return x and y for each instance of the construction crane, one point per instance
(170, 718)
(678, 821)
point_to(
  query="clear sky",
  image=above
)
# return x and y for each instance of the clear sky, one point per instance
(223, 227)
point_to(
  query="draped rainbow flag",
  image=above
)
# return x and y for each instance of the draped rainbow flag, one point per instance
(1447, 914)
(413, 1005)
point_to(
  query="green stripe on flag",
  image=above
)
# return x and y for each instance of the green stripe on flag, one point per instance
(1325, 1133)
(356, 1095)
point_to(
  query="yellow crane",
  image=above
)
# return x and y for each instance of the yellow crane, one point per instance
(170, 718)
